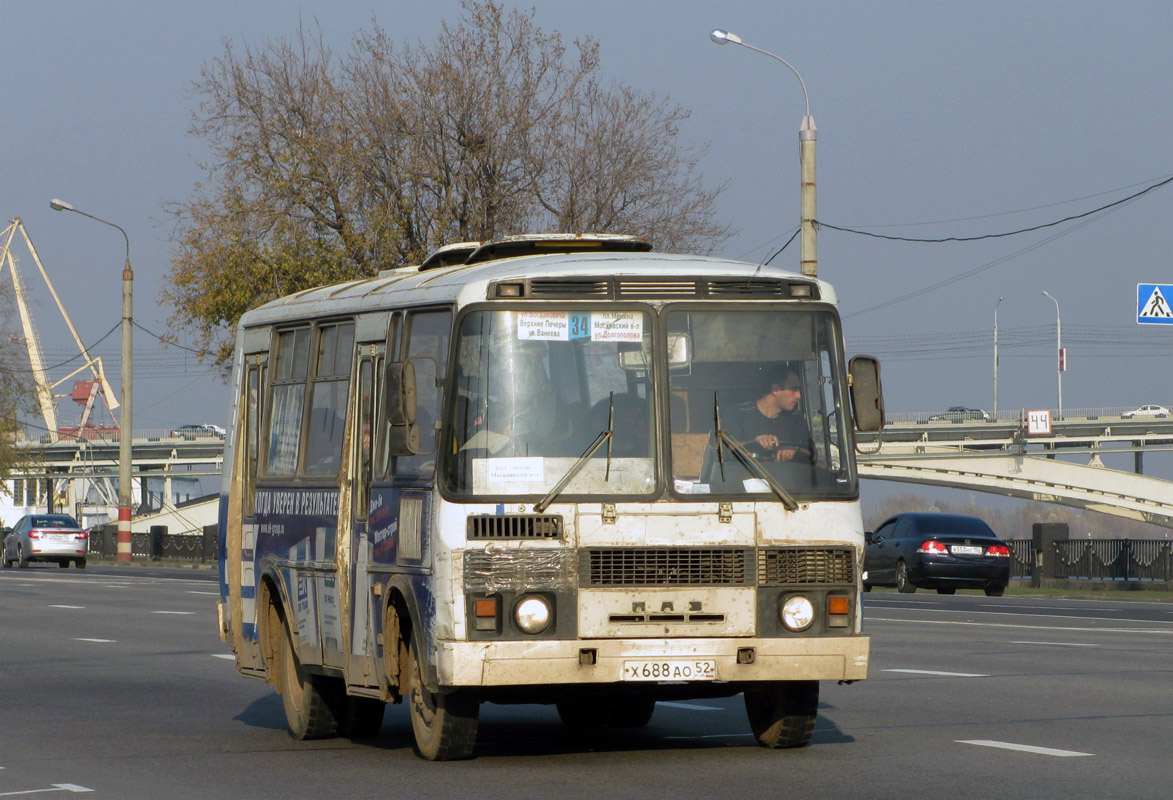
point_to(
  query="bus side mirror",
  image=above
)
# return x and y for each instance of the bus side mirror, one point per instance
(867, 396)
(401, 393)
(403, 435)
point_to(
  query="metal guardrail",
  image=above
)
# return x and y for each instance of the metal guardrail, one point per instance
(157, 544)
(1115, 560)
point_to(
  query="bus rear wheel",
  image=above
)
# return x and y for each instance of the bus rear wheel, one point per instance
(782, 714)
(308, 707)
(445, 725)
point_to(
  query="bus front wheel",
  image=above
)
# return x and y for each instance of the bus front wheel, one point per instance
(445, 725)
(782, 714)
(307, 697)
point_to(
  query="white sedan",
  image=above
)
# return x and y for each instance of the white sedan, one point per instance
(1146, 411)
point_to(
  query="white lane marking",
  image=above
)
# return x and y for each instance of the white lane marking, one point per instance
(1048, 616)
(180, 613)
(1160, 631)
(231, 657)
(214, 594)
(57, 787)
(1060, 644)
(99, 641)
(1025, 748)
(54, 605)
(689, 706)
(942, 674)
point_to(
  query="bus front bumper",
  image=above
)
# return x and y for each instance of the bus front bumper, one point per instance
(599, 661)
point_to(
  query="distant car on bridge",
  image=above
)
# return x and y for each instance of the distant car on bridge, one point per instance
(202, 431)
(960, 414)
(1146, 411)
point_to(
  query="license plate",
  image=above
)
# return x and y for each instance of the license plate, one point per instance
(665, 669)
(966, 550)
(61, 537)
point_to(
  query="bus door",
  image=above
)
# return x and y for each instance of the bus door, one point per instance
(241, 524)
(365, 607)
(401, 507)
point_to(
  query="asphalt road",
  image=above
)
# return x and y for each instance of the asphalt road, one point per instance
(113, 681)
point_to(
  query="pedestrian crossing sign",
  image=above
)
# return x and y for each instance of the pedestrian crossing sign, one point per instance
(1152, 304)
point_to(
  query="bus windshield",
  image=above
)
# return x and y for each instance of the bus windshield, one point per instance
(758, 406)
(755, 403)
(533, 390)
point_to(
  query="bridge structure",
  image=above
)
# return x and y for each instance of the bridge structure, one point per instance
(78, 475)
(1001, 456)
(998, 456)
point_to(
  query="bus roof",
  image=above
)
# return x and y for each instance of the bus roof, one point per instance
(560, 277)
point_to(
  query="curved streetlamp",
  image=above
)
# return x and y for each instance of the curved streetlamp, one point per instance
(807, 135)
(1059, 355)
(126, 430)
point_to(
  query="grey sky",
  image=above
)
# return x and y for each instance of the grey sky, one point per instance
(926, 112)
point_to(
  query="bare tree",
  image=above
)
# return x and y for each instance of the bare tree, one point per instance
(326, 168)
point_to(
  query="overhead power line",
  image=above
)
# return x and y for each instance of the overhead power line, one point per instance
(1003, 234)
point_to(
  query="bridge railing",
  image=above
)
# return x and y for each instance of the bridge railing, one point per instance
(1004, 415)
(156, 545)
(34, 437)
(1123, 560)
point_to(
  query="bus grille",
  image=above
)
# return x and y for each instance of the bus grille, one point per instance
(667, 288)
(662, 566)
(806, 566)
(515, 526)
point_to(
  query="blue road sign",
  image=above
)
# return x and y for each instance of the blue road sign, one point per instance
(1152, 304)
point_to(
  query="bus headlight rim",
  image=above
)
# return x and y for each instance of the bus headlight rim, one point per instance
(797, 612)
(533, 614)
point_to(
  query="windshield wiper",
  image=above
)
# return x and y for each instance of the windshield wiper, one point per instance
(605, 435)
(746, 458)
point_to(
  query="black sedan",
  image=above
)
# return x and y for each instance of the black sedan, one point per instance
(945, 552)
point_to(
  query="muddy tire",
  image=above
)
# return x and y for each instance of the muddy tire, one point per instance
(81, 563)
(309, 699)
(445, 725)
(782, 714)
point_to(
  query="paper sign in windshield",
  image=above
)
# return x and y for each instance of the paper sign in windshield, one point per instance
(617, 326)
(552, 326)
(515, 470)
(561, 326)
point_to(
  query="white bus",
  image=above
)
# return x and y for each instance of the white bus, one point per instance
(526, 471)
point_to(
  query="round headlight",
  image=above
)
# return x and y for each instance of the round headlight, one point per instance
(797, 613)
(533, 614)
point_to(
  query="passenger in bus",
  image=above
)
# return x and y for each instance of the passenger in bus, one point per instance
(773, 427)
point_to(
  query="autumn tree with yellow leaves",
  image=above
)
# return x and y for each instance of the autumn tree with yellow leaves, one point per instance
(325, 168)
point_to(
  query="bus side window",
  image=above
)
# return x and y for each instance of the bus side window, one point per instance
(328, 398)
(427, 334)
(286, 402)
(363, 435)
(252, 435)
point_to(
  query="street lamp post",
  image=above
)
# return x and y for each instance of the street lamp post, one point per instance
(807, 135)
(1059, 354)
(126, 429)
(1000, 299)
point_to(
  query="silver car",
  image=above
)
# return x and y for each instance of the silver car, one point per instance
(46, 537)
